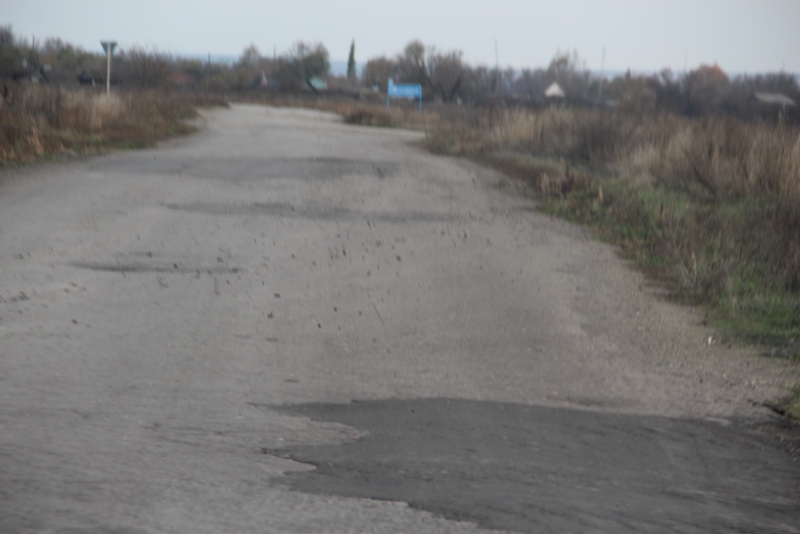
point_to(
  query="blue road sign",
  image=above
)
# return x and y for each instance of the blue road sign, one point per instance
(404, 90)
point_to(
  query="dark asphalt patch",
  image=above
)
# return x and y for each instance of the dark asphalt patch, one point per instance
(539, 469)
(319, 213)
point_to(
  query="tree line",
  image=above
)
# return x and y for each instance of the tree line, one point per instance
(138, 67)
(706, 90)
(443, 74)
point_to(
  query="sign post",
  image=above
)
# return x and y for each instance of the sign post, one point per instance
(404, 90)
(108, 46)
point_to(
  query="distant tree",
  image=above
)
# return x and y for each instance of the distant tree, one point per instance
(531, 84)
(309, 60)
(377, 71)
(250, 58)
(706, 86)
(10, 54)
(146, 69)
(68, 61)
(567, 71)
(6, 36)
(247, 70)
(411, 65)
(351, 62)
(632, 93)
(445, 73)
(481, 85)
(302, 62)
(670, 92)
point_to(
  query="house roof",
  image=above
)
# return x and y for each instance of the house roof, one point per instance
(317, 84)
(554, 91)
(774, 98)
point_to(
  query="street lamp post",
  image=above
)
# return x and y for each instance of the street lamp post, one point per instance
(108, 46)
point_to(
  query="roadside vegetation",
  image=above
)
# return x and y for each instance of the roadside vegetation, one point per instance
(43, 121)
(711, 206)
(51, 105)
(695, 176)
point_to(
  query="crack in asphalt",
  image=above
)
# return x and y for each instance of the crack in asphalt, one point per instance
(156, 267)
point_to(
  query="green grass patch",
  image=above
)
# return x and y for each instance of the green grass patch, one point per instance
(726, 256)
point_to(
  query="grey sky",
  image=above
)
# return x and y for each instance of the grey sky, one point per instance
(740, 35)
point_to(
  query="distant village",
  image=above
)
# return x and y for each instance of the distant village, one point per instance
(443, 76)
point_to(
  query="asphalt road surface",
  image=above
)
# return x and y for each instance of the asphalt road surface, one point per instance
(286, 324)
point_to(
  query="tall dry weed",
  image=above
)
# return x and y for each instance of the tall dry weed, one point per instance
(722, 158)
(42, 119)
(715, 157)
(717, 200)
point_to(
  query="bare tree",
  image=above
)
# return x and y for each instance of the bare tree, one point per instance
(705, 88)
(446, 71)
(573, 77)
(378, 70)
(10, 54)
(411, 66)
(531, 84)
(248, 70)
(146, 69)
(302, 62)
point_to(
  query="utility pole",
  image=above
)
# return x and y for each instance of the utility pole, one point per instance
(108, 46)
(208, 73)
(496, 68)
(602, 72)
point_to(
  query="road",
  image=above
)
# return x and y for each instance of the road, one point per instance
(286, 324)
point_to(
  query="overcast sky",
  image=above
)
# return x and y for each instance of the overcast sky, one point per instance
(643, 35)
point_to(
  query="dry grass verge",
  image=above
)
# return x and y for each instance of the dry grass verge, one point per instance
(41, 121)
(712, 205)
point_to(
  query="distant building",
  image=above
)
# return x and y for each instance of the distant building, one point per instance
(317, 84)
(776, 99)
(554, 91)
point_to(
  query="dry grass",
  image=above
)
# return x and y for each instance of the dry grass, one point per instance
(712, 205)
(37, 121)
(720, 158)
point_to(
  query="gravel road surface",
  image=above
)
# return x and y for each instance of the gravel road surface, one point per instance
(286, 324)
